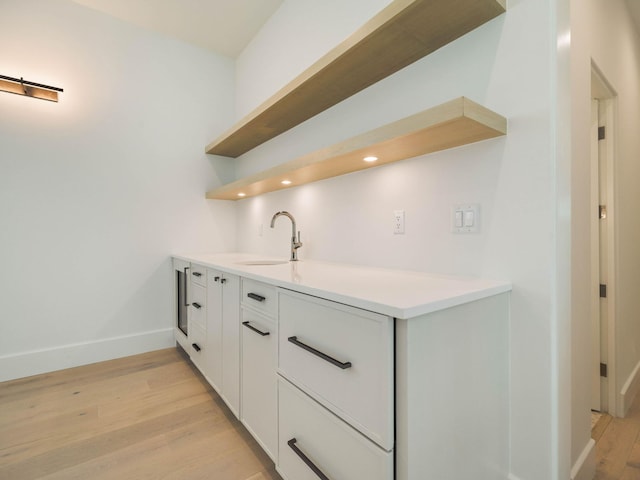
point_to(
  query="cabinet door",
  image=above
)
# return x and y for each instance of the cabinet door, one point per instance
(311, 439)
(214, 330)
(259, 388)
(231, 342)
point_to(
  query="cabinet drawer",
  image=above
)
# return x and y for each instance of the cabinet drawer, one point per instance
(331, 445)
(260, 296)
(199, 274)
(343, 357)
(197, 346)
(198, 306)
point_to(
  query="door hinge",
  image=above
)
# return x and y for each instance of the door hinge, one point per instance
(603, 370)
(602, 211)
(601, 133)
(603, 291)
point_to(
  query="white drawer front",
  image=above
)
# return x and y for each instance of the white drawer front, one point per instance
(354, 379)
(260, 296)
(199, 274)
(198, 346)
(335, 448)
(198, 306)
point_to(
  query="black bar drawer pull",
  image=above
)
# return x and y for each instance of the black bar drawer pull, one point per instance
(251, 327)
(197, 305)
(196, 274)
(318, 353)
(306, 460)
(256, 297)
(196, 347)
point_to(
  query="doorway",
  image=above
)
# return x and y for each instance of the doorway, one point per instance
(602, 245)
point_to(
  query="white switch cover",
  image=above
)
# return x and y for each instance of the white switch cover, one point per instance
(465, 218)
(398, 222)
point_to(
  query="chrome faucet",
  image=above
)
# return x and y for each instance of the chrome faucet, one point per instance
(295, 243)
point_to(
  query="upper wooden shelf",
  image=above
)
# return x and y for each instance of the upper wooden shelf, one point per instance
(402, 33)
(452, 124)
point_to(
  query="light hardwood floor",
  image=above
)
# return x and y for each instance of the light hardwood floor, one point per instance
(150, 416)
(618, 445)
(153, 416)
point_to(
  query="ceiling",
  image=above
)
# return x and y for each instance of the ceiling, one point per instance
(634, 9)
(221, 26)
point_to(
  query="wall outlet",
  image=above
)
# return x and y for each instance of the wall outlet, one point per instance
(398, 222)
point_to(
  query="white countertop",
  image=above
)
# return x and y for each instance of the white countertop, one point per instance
(397, 293)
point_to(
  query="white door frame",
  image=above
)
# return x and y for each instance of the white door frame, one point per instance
(606, 339)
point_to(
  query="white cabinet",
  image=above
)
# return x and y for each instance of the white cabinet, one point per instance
(312, 440)
(259, 390)
(259, 359)
(223, 336)
(198, 347)
(343, 357)
(333, 391)
(336, 395)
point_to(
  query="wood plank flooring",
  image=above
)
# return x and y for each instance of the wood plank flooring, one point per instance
(618, 445)
(150, 416)
(153, 416)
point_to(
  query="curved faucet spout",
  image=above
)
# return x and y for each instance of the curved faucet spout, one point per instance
(295, 243)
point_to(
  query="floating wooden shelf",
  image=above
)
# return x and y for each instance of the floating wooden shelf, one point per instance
(452, 124)
(402, 33)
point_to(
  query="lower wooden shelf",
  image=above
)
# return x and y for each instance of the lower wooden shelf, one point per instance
(451, 124)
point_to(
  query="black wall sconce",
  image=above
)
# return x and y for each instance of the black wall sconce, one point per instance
(20, 86)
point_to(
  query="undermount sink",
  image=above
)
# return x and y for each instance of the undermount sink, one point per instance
(263, 262)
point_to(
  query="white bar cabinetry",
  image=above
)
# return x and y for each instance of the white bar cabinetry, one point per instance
(223, 336)
(259, 336)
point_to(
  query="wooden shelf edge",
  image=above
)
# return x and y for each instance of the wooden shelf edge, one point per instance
(404, 31)
(451, 124)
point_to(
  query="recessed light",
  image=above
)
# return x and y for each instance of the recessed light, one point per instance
(286, 182)
(242, 194)
(370, 159)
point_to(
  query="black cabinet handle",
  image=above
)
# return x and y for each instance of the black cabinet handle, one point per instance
(197, 305)
(318, 353)
(196, 274)
(306, 460)
(223, 280)
(256, 297)
(186, 287)
(215, 279)
(251, 327)
(196, 347)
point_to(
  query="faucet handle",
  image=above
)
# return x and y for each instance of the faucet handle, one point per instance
(298, 243)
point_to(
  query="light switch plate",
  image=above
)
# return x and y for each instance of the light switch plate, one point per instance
(465, 218)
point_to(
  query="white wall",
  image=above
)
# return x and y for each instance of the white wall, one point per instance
(264, 66)
(507, 65)
(603, 33)
(98, 190)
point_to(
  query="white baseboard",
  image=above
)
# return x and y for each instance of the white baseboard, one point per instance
(585, 466)
(35, 362)
(628, 392)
